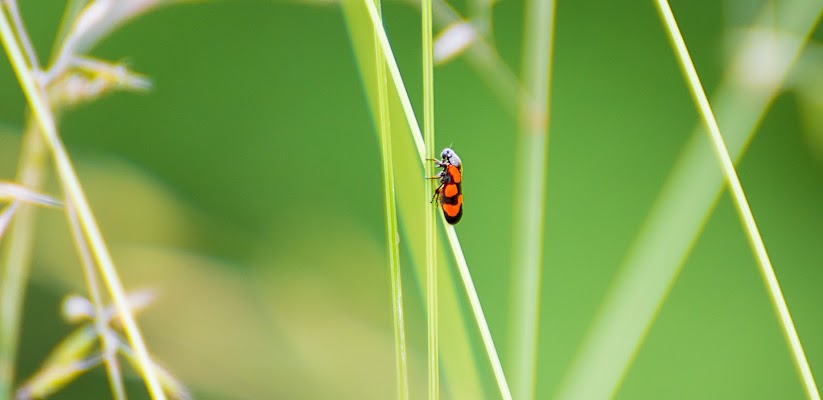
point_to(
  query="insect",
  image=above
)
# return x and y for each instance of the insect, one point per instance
(450, 192)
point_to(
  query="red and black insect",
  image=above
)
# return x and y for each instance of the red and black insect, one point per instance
(450, 192)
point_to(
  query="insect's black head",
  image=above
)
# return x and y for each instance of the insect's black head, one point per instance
(448, 155)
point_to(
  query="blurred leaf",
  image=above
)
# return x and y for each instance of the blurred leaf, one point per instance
(74, 347)
(453, 40)
(68, 360)
(807, 82)
(655, 259)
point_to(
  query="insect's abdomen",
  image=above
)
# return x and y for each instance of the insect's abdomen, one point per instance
(451, 200)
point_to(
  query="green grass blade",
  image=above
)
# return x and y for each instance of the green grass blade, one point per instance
(739, 197)
(676, 219)
(431, 227)
(477, 310)
(530, 185)
(392, 234)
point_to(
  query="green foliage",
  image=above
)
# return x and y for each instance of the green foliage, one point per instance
(245, 188)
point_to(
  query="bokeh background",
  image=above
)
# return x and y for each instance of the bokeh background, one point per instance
(245, 190)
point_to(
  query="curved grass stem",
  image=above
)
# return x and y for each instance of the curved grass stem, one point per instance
(739, 198)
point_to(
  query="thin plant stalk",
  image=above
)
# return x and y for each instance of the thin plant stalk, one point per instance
(392, 234)
(17, 256)
(74, 193)
(477, 309)
(431, 228)
(17, 253)
(530, 178)
(417, 137)
(20, 29)
(739, 198)
(483, 57)
(12, 288)
(680, 212)
(108, 343)
(397, 79)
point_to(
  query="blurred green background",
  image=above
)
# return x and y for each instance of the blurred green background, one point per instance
(245, 189)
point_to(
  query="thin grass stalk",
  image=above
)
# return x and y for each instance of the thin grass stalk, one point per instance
(477, 310)
(392, 234)
(108, 343)
(483, 57)
(16, 260)
(17, 256)
(678, 216)
(739, 197)
(17, 252)
(431, 228)
(397, 79)
(530, 185)
(20, 29)
(74, 192)
(417, 138)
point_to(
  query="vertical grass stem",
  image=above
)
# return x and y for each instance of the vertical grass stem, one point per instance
(431, 229)
(530, 178)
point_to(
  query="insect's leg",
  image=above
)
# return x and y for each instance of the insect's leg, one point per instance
(438, 162)
(436, 193)
(438, 176)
